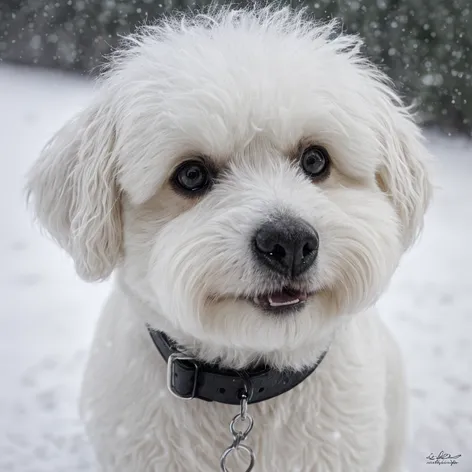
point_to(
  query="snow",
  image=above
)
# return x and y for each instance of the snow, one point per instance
(47, 314)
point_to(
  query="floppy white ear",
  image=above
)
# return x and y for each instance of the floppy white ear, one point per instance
(74, 192)
(403, 173)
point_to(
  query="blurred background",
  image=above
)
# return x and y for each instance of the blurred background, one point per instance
(50, 52)
(424, 45)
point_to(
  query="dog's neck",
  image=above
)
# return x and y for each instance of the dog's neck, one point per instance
(226, 356)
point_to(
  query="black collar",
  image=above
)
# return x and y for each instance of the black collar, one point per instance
(190, 378)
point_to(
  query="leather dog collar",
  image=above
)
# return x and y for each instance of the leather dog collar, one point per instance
(189, 378)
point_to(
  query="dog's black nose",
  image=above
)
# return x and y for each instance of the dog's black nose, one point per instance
(286, 245)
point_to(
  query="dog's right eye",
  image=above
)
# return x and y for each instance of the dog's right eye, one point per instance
(315, 162)
(191, 178)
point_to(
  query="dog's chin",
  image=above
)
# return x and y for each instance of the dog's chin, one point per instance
(284, 330)
(262, 322)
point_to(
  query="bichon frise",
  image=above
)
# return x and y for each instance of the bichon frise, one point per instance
(252, 181)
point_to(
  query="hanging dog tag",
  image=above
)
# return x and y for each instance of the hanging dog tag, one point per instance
(239, 436)
(240, 447)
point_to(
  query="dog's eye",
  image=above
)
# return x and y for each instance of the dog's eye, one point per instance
(191, 177)
(315, 162)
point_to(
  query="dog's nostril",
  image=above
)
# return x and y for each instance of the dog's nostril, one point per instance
(222, 390)
(265, 242)
(308, 248)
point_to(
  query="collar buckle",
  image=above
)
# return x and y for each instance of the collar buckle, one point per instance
(177, 357)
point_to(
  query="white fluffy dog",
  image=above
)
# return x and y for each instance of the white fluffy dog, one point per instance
(252, 181)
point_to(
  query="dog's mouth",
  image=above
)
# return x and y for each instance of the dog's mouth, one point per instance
(283, 301)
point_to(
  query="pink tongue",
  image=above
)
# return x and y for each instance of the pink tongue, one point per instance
(286, 296)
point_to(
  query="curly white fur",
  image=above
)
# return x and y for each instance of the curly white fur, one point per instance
(245, 88)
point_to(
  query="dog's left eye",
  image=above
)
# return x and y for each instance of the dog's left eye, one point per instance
(315, 162)
(192, 177)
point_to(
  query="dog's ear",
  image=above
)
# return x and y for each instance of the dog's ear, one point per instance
(403, 173)
(74, 192)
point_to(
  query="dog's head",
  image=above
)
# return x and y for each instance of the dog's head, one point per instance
(253, 178)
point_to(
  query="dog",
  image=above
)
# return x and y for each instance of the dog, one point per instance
(252, 181)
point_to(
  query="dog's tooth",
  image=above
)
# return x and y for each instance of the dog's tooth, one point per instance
(290, 302)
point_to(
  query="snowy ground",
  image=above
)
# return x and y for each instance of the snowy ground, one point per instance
(47, 314)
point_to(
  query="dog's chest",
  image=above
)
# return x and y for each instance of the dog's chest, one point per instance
(319, 427)
(330, 423)
(314, 428)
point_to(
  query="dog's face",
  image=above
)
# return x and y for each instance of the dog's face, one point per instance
(253, 180)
